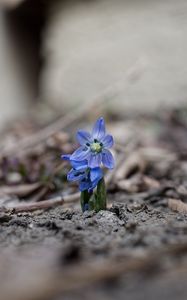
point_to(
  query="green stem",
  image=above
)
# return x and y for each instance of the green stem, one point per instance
(94, 201)
(85, 197)
(100, 203)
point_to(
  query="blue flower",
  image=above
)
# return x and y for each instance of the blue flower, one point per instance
(94, 147)
(87, 178)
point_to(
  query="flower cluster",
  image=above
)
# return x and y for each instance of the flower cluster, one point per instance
(87, 178)
(87, 160)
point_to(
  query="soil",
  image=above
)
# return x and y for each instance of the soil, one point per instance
(137, 249)
(130, 229)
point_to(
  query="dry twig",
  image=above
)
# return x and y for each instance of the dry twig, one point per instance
(29, 207)
(45, 204)
(19, 190)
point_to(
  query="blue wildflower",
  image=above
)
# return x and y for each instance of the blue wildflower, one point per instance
(87, 178)
(94, 147)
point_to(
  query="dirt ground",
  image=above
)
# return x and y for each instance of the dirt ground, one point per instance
(137, 249)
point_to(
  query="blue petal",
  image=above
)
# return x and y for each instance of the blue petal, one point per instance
(107, 159)
(84, 185)
(95, 182)
(81, 153)
(83, 137)
(79, 165)
(96, 174)
(90, 190)
(98, 131)
(94, 160)
(75, 175)
(107, 141)
(66, 156)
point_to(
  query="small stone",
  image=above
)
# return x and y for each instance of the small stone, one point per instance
(136, 207)
(31, 225)
(143, 219)
(13, 178)
(131, 226)
(4, 218)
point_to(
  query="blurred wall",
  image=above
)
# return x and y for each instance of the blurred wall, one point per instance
(21, 24)
(89, 45)
(14, 93)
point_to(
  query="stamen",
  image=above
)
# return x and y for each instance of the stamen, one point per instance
(96, 147)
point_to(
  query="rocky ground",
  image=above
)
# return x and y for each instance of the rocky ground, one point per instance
(137, 249)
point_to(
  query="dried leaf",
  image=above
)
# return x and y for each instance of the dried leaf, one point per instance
(138, 183)
(138, 161)
(177, 205)
(134, 162)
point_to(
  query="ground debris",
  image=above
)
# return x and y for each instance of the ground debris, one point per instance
(136, 246)
(177, 205)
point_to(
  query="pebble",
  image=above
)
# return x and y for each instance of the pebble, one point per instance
(13, 178)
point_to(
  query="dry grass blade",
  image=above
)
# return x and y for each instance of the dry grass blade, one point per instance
(29, 207)
(44, 204)
(19, 190)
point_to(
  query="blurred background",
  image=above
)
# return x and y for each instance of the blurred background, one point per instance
(57, 54)
(56, 57)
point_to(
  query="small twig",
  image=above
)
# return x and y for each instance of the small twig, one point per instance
(29, 207)
(39, 195)
(45, 204)
(72, 198)
(20, 190)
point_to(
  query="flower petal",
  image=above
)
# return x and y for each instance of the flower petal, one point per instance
(107, 141)
(81, 153)
(96, 174)
(94, 184)
(84, 185)
(66, 156)
(98, 131)
(94, 160)
(75, 175)
(79, 165)
(83, 137)
(107, 159)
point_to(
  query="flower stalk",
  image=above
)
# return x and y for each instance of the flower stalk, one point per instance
(94, 201)
(87, 166)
